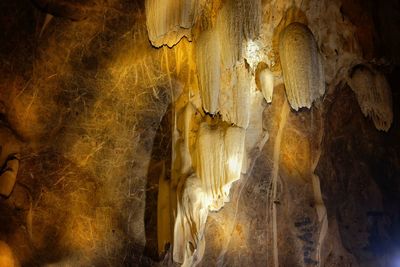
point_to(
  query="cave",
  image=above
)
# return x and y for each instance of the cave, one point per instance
(200, 133)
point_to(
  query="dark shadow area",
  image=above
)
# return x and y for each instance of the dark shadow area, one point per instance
(160, 162)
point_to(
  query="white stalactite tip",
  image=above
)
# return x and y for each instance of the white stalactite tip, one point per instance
(373, 94)
(267, 84)
(169, 20)
(301, 66)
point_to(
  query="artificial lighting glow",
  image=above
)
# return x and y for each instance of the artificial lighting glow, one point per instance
(253, 53)
(234, 166)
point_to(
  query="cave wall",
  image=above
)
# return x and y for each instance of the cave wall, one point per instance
(89, 100)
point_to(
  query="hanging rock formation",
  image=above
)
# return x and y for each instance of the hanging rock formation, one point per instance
(301, 66)
(374, 95)
(169, 21)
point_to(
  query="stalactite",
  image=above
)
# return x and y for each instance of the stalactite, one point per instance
(266, 83)
(234, 102)
(210, 162)
(219, 157)
(237, 21)
(190, 221)
(301, 66)
(373, 94)
(234, 153)
(208, 61)
(169, 21)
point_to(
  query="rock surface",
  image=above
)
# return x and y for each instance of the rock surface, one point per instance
(92, 104)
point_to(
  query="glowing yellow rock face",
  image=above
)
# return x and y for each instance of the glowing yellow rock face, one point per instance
(6, 256)
(169, 20)
(373, 94)
(301, 66)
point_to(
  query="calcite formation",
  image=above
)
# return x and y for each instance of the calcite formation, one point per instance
(267, 84)
(301, 66)
(208, 61)
(193, 201)
(374, 95)
(169, 21)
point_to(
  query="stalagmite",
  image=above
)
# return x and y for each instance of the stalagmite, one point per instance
(208, 61)
(373, 94)
(301, 66)
(169, 21)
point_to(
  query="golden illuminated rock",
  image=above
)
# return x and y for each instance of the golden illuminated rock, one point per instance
(301, 66)
(6, 256)
(168, 21)
(208, 61)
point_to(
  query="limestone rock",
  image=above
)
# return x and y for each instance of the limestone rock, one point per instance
(267, 84)
(235, 96)
(208, 61)
(9, 162)
(190, 221)
(169, 21)
(301, 66)
(373, 95)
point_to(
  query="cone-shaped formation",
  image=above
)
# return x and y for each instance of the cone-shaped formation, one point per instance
(301, 66)
(373, 95)
(267, 84)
